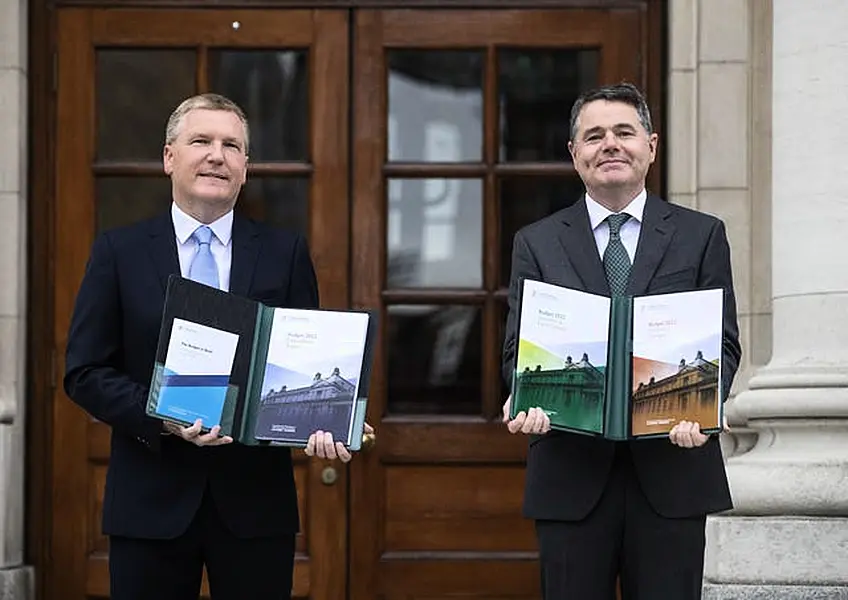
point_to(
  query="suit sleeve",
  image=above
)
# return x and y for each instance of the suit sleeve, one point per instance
(93, 378)
(303, 285)
(524, 265)
(715, 271)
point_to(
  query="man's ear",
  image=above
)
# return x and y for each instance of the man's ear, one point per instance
(168, 159)
(244, 171)
(571, 149)
(653, 142)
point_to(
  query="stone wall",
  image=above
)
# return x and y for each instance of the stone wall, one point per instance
(15, 579)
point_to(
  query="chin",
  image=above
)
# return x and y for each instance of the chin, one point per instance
(213, 195)
(615, 182)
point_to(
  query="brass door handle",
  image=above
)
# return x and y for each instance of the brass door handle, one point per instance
(329, 476)
(369, 440)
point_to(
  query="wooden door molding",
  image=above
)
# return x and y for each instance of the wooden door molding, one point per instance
(390, 4)
(74, 564)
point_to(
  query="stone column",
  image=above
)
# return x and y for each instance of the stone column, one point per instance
(788, 536)
(16, 580)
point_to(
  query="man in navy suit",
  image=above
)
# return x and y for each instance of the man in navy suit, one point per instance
(177, 499)
(636, 509)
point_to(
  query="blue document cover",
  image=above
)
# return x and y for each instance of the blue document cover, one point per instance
(191, 397)
(195, 379)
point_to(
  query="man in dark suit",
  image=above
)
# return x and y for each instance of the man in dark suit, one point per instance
(634, 510)
(177, 499)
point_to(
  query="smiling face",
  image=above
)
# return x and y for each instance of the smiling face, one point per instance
(612, 152)
(207, 162)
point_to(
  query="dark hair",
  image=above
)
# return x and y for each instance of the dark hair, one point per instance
(619, 92)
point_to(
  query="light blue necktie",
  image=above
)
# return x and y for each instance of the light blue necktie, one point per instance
(203, 268)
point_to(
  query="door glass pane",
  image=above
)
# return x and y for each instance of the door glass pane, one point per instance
(136, 92)
(272, 87)
(278, 201)
(435, 233)
(536, 90)
(125, 200)
(435, 105)
(434, 355)
(524, 200)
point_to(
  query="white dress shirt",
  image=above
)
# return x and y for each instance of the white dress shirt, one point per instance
(185, 225)
(629, 231)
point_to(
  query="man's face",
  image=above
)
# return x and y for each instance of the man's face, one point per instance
(612, 150)
(207, 162)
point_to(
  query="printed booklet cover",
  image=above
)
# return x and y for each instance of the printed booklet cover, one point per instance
(266, 375)
(622, 367)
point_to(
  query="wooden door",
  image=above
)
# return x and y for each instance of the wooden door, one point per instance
(460, 131)
(120, 73)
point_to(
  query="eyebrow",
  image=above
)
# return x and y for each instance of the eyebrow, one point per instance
(617, 126)
(196, 135)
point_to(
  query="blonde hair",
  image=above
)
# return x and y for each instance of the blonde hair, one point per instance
(209, 102)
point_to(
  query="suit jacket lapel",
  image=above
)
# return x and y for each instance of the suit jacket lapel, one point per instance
(581, 250)
(163, 248)
(656, 233)
(245, 251)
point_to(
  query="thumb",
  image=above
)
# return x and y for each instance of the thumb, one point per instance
(506, 409)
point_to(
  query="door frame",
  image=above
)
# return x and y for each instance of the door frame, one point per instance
(41, 373)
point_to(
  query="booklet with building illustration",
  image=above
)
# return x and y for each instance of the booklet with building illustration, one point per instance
(622, 367)
(267, 376)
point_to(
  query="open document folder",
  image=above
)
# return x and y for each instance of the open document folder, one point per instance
(266, 375)
(623, 367)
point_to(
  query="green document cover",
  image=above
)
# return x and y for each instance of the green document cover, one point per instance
(267, 376)
(622, 367)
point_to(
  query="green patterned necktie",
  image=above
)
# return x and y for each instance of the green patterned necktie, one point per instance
(616, 260)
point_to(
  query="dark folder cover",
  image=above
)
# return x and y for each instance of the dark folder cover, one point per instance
(266, 375)
(623, 367)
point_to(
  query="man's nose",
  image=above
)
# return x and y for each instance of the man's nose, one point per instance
(609, 142)
(216, 152)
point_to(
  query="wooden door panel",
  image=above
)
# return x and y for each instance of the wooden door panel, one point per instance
(109, 172)
(454, 509)
(458, 116)
(230, 28)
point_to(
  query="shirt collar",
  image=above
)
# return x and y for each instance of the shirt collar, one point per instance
(597, 212)
(185, 225)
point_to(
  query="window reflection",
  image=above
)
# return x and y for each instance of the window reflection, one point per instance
(435, 106)
(434, 355)
(136, 90)
(435, 233)
(537, 89)
(272, 87)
